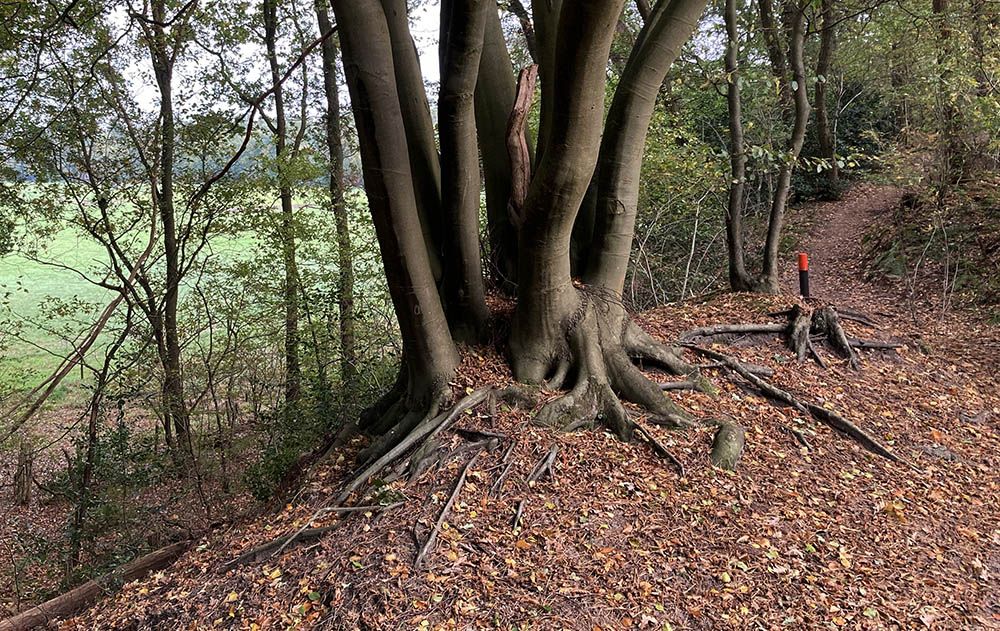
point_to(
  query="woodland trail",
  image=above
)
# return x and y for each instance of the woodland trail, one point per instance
(835, 249)
(822, 536)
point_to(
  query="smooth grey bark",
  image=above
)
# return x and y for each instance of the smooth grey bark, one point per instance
(546, 295)
(464, 292)
(419, 127)
(286, 236)
(368, 54)
(546, 17)
(670, 25)
(496, 89)
(345, 254)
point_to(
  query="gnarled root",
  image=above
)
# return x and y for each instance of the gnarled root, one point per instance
(597, 365)
(804, 324)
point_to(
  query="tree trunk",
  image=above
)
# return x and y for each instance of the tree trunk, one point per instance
(669, 26)
(419, 130)
(464, 292)
(24, 473)
(546, 295)
(290, 289)
(517, 8)
(739, 279)
(430, 355)
(546, 18)
(824, 131)
(495, 92)
(345, 254)
(175, 405)
(771, 33)
(796, 29)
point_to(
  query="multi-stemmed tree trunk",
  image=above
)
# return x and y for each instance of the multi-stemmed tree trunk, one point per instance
(345, 256)
(793, 98)
(286, 231)
(566, 333)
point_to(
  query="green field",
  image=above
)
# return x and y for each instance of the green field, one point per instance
(32, 292)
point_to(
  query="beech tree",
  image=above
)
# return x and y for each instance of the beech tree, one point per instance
(569, 333)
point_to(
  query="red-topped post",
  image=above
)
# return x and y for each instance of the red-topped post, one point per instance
(804, 274)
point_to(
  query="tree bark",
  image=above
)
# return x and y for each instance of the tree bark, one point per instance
(824, 131)
(796, 28)
(495, 94)
(419, 130)
(368, 53)
(517, 8)
(546, 17)
(546, 295)
(739, 279)
(660, 41)
(464, 292)
(162, 55)
(345, 253)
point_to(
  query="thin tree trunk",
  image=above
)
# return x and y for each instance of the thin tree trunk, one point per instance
(517, 8)
(345, 254)
(430, 354)
(462, 27)
(824, 132)
(739, 280)
(24, 473)
(771, 33)
(175, 405)
(290, 289)
(796, 33)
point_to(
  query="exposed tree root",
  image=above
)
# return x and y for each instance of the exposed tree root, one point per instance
(804, 325)
(819, 413)
(727, 446)
(432, 537)
(660, 450)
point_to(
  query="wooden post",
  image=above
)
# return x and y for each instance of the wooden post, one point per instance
(804, 274)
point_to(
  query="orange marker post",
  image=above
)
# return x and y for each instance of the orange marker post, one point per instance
(804, 274)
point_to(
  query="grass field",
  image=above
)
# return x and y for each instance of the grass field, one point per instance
(32, 293)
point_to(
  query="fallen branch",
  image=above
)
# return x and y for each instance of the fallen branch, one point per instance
(518, 514)
(508, 463)
(731, 329)
(432, 537)
(73, 601)
(872, 344)
(679, 385)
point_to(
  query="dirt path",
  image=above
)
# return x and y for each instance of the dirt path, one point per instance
(835, 248)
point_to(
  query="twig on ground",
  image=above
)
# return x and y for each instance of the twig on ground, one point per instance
(660, 450)
(545, 465)
(432, 537)
(518, 514)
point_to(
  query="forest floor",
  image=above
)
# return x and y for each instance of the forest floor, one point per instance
(825, 536)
